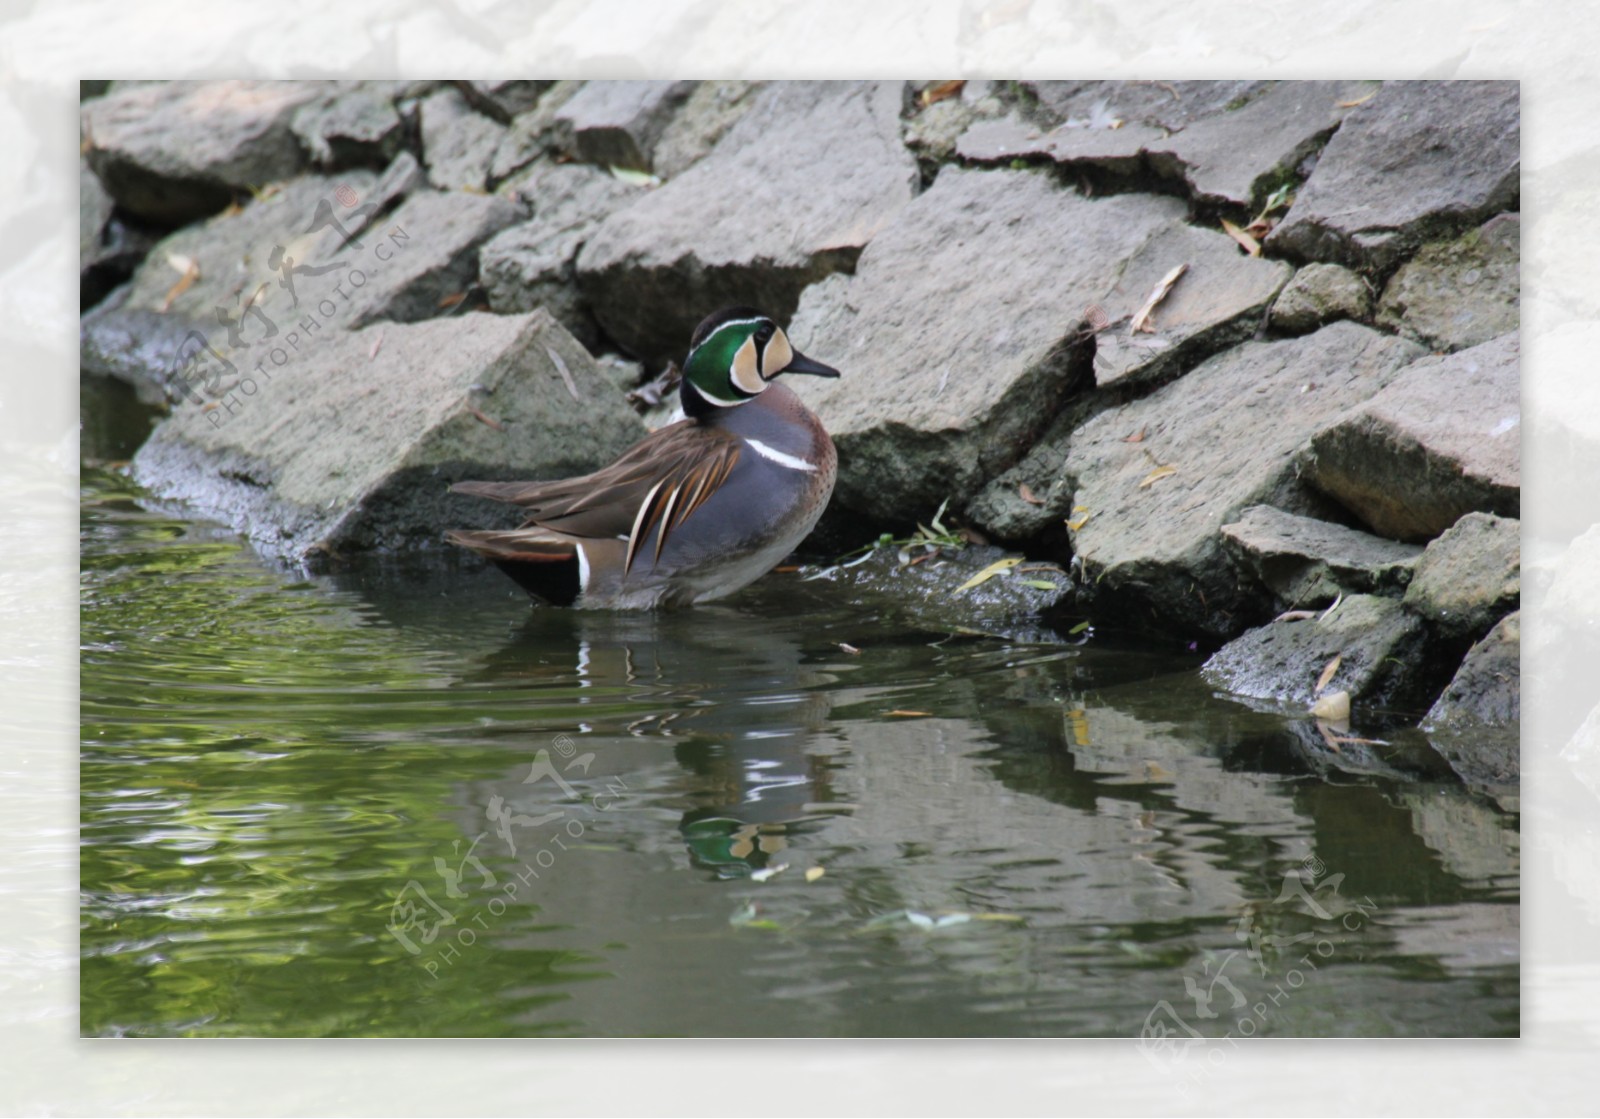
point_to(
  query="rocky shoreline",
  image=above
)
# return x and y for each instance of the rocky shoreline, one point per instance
(1239, 359)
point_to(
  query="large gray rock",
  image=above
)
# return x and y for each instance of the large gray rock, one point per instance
(618, 124)
(1417, 160)
(534, 263)
(1221, 298)
(793, 192)
(532, 133)
(352, 444)
(1230, 142)
(952, 366)
(695, 128)
(1487, 688)
(176, 151)
(1380, 649)
(1460, 293)
(1306, 562)
(352, 124)
(1320, 294)
(1469, 577)
(458, 142)
(1442, 441)
(1155, 480)
(239, 310)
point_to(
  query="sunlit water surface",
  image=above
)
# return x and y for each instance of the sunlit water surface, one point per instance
(402, 802)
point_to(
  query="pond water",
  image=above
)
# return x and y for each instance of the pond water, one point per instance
(400, 801)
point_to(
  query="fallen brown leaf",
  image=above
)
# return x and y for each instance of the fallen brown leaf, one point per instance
(1246, 242)
(941, 91)
(1141, 320)
(1357, 101)
(898, 711)
(190, 272)
(1327, 673)
(1295, 615)
(451, 300)
(1136, 437)
(377, 344)
(1027, 495)
(492, 422)
(1156, 475)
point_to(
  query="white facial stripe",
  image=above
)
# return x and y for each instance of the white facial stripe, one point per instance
(778, 356)
(745, 371)
(777, 456)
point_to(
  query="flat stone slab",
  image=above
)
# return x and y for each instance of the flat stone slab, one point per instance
(619, 124)
(1487, 688)
(1155, 480)
(1444, 440)
(951, 365)
(1378, 644)
(1229, 142)
(1305, 562)
(1460, 293)
(1469, 577)
(274, 276)
(793, 192)
(1319, 294)
(176, 151)
(353, 444)
(1416, 160)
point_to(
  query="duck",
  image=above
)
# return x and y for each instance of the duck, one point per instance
(699, 508)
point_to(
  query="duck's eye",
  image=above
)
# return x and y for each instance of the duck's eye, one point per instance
(764, 335)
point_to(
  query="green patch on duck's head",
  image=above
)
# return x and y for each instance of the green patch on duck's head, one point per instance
(734, 354)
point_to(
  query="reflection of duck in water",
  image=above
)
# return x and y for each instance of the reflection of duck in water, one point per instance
(730, 690)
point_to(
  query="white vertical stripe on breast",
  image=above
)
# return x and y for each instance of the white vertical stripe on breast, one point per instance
(779, 457)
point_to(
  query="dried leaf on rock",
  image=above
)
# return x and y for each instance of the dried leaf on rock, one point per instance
(1248, 243)
(1156, 475)
(1027, 495)
(998, 567)
(1141, 320)
(1327, 673)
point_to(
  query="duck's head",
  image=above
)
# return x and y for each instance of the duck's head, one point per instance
(734, 355)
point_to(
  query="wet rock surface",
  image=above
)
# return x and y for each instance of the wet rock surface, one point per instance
(264, 258)
(1378, 645)
(311, 462)
(1444, 440)
(1486, 690)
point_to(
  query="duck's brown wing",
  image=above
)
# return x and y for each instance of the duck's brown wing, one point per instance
(661, 480)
